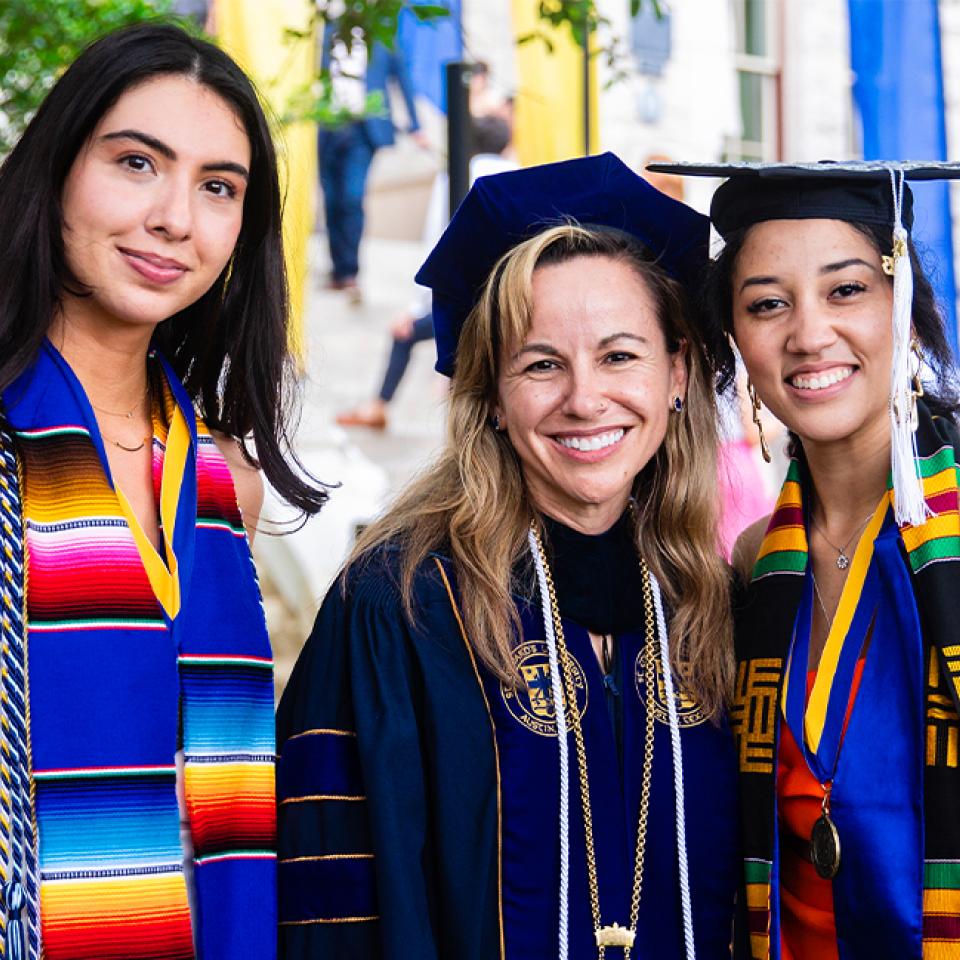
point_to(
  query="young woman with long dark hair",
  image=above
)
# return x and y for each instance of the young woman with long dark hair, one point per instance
(143, 344)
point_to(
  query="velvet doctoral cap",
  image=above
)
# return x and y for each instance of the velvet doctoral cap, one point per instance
(852, 191)
(503, 210)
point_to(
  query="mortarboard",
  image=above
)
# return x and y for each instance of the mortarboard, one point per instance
(857, 190)
(503, 210)
(867, 191)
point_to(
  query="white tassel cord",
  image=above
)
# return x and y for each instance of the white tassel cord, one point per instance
(676, 750)
(909, 504)
(561, 718)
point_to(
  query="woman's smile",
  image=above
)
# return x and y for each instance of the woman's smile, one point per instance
(824, 382)
(159, 270)
(586, 398)
(589, 447)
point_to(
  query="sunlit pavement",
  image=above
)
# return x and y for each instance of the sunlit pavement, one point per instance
(347, 349)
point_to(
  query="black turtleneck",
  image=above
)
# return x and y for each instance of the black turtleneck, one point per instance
(597, 577)
(599, 585)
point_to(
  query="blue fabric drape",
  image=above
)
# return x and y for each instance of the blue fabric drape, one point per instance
(898, 89)
(428, 46)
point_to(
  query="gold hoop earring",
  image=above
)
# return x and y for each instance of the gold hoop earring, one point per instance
(755, 407)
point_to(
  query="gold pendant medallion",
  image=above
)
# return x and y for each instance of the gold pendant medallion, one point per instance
(613, 935)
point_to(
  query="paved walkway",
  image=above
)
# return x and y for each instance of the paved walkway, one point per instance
(347, 352)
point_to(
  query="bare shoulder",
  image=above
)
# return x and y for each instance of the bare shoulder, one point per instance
(246, 481)
(747, 547)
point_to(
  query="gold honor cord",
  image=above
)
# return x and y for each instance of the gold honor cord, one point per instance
(164, 577)
(610, 935)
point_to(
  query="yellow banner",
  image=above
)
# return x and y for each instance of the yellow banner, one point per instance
(548, 119)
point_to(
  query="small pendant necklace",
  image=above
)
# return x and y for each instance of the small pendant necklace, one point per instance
(127, 415)
(843, 561)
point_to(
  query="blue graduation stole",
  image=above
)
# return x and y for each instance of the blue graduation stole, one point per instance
(529, 789)
(876, 765)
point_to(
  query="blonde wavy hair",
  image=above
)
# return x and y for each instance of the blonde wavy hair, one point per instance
(472, 501)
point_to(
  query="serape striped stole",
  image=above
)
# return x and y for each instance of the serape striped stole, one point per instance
(765, 616)
(116, 686)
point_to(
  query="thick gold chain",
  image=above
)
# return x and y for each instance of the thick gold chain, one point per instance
(567, 675)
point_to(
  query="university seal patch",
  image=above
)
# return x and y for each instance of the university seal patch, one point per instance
(532, 703)
(689, 713)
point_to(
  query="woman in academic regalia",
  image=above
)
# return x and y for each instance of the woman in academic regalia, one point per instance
(143, 337)
(846, 691)
(555, 570)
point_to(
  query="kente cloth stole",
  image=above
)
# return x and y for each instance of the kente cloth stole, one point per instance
(766, 615)
(118, 682)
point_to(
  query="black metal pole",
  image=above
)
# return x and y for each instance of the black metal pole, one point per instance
(459, 145)
(586, 90)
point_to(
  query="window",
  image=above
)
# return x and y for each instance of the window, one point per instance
(758, 77)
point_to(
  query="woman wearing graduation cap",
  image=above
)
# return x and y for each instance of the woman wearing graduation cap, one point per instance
(556, 569)
(846, 709)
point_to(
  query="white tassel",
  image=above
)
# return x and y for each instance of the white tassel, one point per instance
(909, 504)
(560, 714)
(679, 793)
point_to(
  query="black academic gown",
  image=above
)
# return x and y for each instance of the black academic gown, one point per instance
(389, 703)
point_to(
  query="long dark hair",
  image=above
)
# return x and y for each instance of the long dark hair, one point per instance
(230, 347)
(941, 397)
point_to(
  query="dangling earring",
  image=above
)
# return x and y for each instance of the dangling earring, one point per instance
(755, 407)
(678, 405)
(495, 422)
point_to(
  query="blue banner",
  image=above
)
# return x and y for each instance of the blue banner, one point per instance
(898, 89)
(428, 46)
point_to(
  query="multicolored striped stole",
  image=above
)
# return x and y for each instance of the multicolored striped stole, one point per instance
(116, 687)
(766, 613)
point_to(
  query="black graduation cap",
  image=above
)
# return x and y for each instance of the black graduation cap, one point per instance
(505, 209)
(856, 190)
(867, 191)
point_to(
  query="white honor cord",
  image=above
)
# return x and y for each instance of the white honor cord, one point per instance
(559, 711)
(677, 772)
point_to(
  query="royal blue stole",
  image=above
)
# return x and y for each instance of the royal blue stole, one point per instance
(525, 730)
(877, 797)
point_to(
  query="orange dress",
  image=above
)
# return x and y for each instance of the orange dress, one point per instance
(808, 929)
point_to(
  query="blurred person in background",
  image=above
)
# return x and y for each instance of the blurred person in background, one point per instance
(501, 739)
(346, 152)
(143, 342)
(491, 140)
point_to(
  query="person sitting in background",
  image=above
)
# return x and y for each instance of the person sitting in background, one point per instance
(491, 139)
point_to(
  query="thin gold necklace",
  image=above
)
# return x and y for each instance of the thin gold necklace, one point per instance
(128, 416)
(123, 446)
(609, 935)
(129, 413)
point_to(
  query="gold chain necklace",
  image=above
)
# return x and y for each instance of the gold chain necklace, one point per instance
(611, 935)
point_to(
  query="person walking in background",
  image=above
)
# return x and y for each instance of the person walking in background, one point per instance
(143, 338)
(346, 152)
(491, 140)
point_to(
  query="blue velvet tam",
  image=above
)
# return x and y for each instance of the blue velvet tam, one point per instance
(857, 191)
(503, 210)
